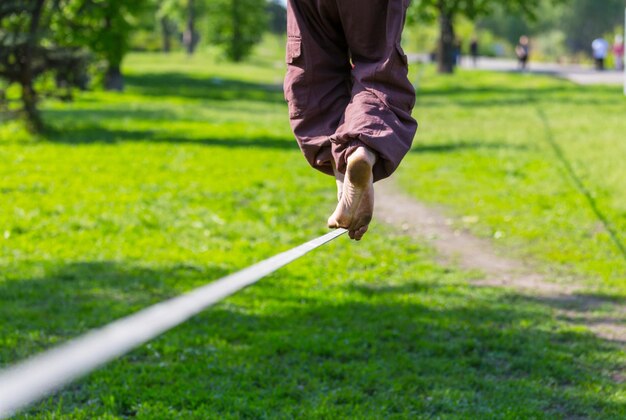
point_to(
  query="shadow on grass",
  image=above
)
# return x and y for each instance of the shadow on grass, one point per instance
(591, 309)
(583, 302)
(86, 126)
(186, 86)
(95, 116)
(519, 89)
(93, 134)
(464, 145)
(79, 296)
(368, 353)
(496, 96)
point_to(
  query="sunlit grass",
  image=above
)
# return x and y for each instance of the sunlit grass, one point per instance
(193, 174)
(535, 162)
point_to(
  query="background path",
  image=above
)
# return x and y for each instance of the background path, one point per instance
(602, 316)
(582, 75)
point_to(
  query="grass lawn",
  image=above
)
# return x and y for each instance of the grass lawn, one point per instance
(192, 173)
(535, 163)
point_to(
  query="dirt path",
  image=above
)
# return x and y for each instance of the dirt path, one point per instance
(469, 252)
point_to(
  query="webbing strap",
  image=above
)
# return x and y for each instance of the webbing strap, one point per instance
(43, 374)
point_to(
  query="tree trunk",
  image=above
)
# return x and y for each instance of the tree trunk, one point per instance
(4, 107)
(445, 49)
(29, 95)
(189, 36)
(29, 107)
(166, 34)
(237, 54)
(113, 79)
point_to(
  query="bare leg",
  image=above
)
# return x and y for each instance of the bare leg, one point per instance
(356, 202)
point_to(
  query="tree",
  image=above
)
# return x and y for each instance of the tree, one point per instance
(168, 28)
(445, 11)
(190, 36)
(234, 25)
(175, 14)
(578, 22)
(237, 25)
(106, 26)
(31, 48)
(52, 37)
(169, 13)
(585, 20)
(277, 16)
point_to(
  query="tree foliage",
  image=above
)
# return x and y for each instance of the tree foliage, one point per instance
(183, 18)
(39, 37)
(105, 27)
(574, 23)
(445, 11)
(277, 16)
(585, 20)
(237, 25)
(36, 39)
(58, 37)
(172, 15)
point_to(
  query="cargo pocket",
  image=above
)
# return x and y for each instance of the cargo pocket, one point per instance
(403, 58)
(294, 49)
(296, 85)
(401, 70)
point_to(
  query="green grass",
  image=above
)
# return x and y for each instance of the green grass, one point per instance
(535, 162)
(192, 174)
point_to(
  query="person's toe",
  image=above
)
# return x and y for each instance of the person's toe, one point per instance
(358, 234)
(360, 222)
(335, 222)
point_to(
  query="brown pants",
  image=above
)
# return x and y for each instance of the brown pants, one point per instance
(346, 82)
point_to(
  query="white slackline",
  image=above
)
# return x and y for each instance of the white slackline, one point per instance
(47, 372)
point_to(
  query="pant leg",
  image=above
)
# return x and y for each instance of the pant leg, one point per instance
(379, 113)
(318, 81)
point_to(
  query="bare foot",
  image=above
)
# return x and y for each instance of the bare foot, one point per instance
(356, 198)
(339, 179)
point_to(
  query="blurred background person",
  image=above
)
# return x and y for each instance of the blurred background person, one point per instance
(474, 50)
(522, 50)
(600, 48)
(458, 51)
(618, 52)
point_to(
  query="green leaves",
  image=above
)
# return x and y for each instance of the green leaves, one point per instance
(237, 25)
(430, 9)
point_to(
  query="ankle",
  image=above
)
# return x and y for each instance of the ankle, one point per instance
(362, 153)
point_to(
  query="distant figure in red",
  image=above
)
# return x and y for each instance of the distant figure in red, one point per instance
(522, 50)
(349, 96)
(618, 52)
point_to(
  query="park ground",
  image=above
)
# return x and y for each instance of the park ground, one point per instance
(193, 173)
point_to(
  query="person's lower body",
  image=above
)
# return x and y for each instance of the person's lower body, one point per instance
(599, 64)
(523, 62)
(348, 90)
